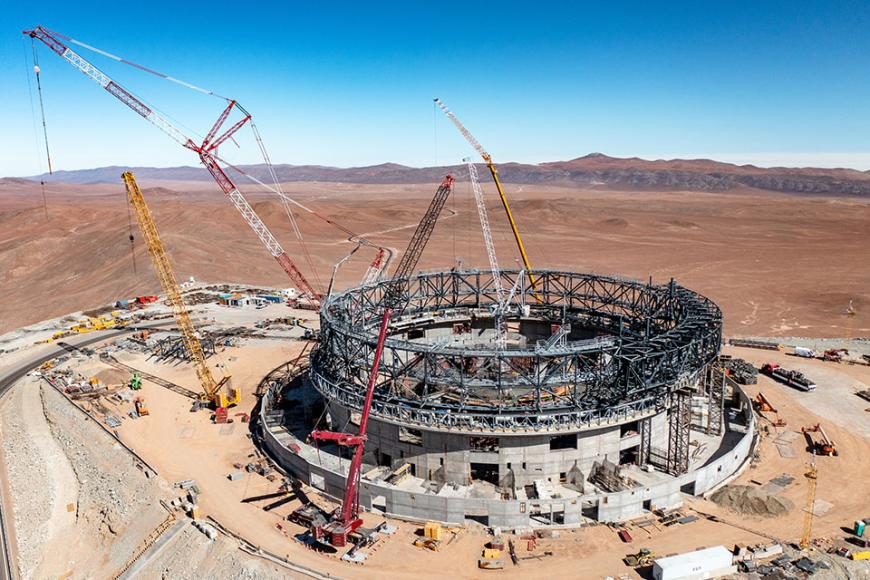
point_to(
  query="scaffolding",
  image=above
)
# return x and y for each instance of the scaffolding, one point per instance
(679, 431)
(716, 400)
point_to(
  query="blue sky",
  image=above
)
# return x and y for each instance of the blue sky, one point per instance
(351, 83)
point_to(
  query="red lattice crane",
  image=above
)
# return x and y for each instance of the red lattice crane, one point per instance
(347, 519)
(207, 150)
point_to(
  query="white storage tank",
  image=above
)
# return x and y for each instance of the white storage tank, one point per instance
(712, 562)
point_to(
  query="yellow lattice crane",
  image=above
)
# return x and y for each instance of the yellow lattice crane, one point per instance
(212, 390)
(812, 476)
(507, 208)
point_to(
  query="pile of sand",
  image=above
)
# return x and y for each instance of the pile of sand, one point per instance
(113, 377)
(753, 501)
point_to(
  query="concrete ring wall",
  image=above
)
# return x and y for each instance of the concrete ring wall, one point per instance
(288, 451)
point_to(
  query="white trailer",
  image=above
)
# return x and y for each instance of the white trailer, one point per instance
(712, 562)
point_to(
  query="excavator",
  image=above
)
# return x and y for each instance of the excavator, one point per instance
(216, 392)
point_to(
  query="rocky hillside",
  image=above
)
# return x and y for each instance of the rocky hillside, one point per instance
(594, 170)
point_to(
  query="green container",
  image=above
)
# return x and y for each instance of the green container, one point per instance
(859, 528)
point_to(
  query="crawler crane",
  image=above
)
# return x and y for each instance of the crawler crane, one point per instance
(207, 151)
(346, 519)
(212, 390)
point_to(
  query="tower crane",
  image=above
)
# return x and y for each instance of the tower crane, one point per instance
(207, 150)
(211, 388)
(491, 166)
(346, 519)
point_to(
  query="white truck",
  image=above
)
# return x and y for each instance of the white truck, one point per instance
(804, 352)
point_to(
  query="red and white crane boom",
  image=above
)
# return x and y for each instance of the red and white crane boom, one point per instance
(347, 519)
(207, 150)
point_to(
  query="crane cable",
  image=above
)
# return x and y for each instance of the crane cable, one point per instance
(132, 238)
(284, 198)
(287, 210)
(41, 105)
(35, 130)
(140, 67)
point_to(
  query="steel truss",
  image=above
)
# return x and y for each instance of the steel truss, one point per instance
(647, 339)
(679, 432)
(716, 401)
(174, 347)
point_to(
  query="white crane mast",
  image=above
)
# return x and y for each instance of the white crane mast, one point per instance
(487, 234)
(501, 299)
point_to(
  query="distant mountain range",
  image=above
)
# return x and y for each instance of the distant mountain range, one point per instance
(593, 170)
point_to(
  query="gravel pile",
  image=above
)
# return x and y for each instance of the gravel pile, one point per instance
(117, 504)
(747, 500)
(25, 465)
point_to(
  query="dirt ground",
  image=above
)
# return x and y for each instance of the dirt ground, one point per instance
(206, 452)
(779, 265)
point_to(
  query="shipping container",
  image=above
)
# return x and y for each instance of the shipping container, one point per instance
(712, 562)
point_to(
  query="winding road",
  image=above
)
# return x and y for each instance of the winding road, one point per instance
(10, 375)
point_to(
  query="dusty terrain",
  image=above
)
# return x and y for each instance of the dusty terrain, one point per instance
(778, 264)
(207, 453)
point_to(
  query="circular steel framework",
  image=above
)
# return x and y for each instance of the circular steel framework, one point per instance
(629, 345)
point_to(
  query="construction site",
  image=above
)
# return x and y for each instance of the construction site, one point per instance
(471, 420)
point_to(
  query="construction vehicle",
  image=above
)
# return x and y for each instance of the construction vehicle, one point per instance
(804, 352)
(763, 405)
(812, 475)
(643, 558)
(791, 378)
(345, 520)
(432, 537)
(491, 559)
(428, 544)
(487, 158)
(823, 444)
(141, 408)
(835, 355)
(207, 151)
(135, 382)
(212, 390)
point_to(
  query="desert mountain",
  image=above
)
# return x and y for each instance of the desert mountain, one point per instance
(593, 170)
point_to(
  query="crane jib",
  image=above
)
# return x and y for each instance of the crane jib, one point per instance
(125, 97)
